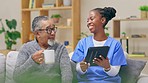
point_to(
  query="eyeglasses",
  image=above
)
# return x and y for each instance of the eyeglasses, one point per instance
(49, 29)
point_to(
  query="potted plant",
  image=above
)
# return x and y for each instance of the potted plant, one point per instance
(123, 34)
(11, 35)
(56, 17)
(144, 10)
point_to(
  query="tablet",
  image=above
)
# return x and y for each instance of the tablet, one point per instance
(95, 52)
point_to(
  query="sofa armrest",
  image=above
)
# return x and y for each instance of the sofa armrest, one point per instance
(2, 68)
(143, 78)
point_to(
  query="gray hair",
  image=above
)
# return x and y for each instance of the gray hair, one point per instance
(36, 23)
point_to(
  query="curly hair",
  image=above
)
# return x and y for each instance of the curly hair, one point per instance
(106, 12)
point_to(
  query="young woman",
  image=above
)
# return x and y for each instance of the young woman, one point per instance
(107, 69)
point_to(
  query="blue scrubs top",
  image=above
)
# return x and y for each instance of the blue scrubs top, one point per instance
(95, 74)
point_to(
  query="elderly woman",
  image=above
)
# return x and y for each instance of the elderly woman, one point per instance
(30, 66)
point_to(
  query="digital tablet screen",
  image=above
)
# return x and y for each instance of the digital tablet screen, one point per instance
(95, 52)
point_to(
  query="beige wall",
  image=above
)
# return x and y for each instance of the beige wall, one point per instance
(125, 8)
(10, 9)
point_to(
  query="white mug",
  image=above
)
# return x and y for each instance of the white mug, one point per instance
(49, 57)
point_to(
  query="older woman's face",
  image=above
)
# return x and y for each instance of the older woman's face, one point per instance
(46, 32)
(94, 22)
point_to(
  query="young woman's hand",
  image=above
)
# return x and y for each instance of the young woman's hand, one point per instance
(84, 66)
(101, 61)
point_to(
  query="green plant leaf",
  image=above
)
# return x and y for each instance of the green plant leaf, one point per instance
(8, 44)
(10, 35)
(6, 36)
(106, 28)
(3, 28)
(11, 24)
(14, 23)
(123, 33)
(14, 35)
(56, 16)
(8, 24)
(1, 31)
(107, 34)
(17, 34)
(143, 8)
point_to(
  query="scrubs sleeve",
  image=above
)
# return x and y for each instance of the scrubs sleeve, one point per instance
(78, 54)
(118, 55)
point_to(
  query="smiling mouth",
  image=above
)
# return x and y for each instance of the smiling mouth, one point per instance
(51, 38)
(90, 26)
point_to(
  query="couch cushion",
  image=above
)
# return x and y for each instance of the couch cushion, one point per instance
(2, 68)
(10, 65)
(130, 73)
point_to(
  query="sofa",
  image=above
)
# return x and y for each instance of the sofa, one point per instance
(7, 64)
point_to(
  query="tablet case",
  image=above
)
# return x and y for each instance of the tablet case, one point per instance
(95, 52)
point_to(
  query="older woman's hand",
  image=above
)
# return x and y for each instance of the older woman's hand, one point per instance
(38, 57)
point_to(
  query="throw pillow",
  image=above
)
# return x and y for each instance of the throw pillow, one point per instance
(10, 65)
(130, 73)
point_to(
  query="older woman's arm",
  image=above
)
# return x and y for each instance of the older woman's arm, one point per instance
(24, 65)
